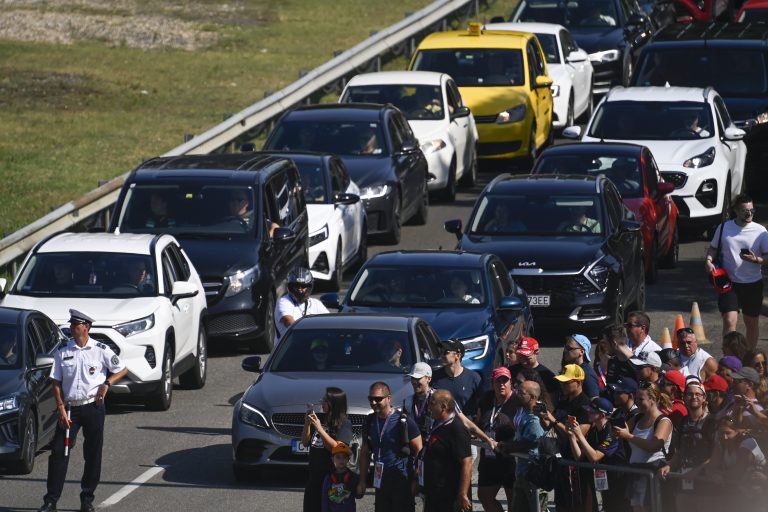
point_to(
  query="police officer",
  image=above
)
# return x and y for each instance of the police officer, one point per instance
(297, 302)
(82, 372)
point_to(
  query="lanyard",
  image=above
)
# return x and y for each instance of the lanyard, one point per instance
(495, 412)
(432, 431)
(601, 374)
(382, 427)
(418, 415)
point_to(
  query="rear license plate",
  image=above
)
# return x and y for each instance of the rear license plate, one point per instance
(297, 447)
(539, 301)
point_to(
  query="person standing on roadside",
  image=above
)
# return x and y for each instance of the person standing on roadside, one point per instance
(340, 485)
(638, 325)
(741, 246)
(445, 462)
(463, 384)
(417, 405)
(83, 371)
(383, 437)
(693, 359)
(528, 357)
(618, 365)
(576, 351)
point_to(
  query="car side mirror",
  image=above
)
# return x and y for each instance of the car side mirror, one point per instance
(252, 364)
(409, 146)
(453, 226)
(543, 81)
(497, 19)
(248, 147)
(283, 235)
(629, 225)
(665, 188)
(183, 290)
(577, 56)
(42, 362)
(330, 300)
(460, 112)
(733, 133)
(510, 304)
(346, 198)
(572, 132)
(636, 19)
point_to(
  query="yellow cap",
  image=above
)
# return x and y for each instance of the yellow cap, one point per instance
(571, 372)
(475, 28)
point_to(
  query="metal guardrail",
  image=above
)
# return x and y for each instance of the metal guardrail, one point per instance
(93, 208)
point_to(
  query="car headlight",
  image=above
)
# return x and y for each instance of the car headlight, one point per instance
(240, 281)
(555, 90)
(8, 404)
(374, 191)
(598, 275)
(702, 160)
(432, 146)
(606, 56)
(252, 416)
(512, 115)
(475, 344)
(136, 326)
(762, 118)
(318, 236)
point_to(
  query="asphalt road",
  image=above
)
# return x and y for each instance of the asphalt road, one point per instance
(181, 459)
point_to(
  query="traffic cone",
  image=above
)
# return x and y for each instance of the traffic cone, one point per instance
(679, 324)
(666, 339)
(697, 326)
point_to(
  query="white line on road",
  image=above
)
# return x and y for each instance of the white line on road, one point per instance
(129, 488)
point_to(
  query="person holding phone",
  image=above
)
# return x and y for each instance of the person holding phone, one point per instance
(321, 434)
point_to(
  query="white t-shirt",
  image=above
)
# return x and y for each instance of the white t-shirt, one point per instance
(647, 345)
(286, 306)
(735, 238)
(82, 370)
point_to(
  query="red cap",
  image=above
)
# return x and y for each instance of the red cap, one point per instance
(527, 346)
(716, 383)
(676, 378)
(501, 371)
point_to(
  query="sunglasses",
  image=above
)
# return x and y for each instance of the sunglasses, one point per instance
(503, 380)
(376, 399)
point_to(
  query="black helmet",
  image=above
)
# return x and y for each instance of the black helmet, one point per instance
(300, 282)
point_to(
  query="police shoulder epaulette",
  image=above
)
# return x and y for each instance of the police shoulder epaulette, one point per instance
(63, 346)
(101, 345)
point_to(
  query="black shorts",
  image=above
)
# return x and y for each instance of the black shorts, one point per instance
(496, 471)
(747, 297)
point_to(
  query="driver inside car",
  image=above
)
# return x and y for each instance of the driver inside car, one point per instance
(579, 222)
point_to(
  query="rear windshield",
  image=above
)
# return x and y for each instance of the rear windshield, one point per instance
(418, 102)
(475, 67)
(575, 13)
(731, 71)
(623, 171)
(652, 120)
(339, 137)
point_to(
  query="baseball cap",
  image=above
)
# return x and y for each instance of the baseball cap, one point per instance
(585, 344)
(747, 373)
(625, 385)
(527, 346)
(453, 346)
(501, 371)
(731, 362)
(676, 378)
(571, 372)
(644, 359)
(318, 343)
(600, 404)
(716, 383)
(420, 370)
(693, 380)
(341, 447)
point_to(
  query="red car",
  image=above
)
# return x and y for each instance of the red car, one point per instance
(633, 170)
(753, 11)
(689, 11)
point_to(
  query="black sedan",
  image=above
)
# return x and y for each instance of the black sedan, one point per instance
(380, 151)
(569, 241)
(28, 416)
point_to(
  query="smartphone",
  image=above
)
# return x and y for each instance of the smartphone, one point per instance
(617, 421)
(310, 408)
(571, 419)
(745, 251)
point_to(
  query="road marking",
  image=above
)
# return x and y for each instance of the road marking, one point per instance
(135, 484)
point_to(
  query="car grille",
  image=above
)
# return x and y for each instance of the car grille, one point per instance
(103, 338)
(561, 288)
(230, 324)
(498, 148)
(291, 424)
(213, 287)
(486, 119)
(678, 179)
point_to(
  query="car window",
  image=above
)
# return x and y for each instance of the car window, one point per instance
(10, 352)
(169, 274)
(453, 90)
(180, 267)
(403, 127)
(614, 205)
(475, 67)
(500, 273)
(570, 45)
(337, 181)
(283, 199)
(344, 350)
(48, 333)
(722, 110)
(651, 174)
(532, 71)
(548, 44)
(586, 13)
(454, 101)
(34, 344)
(623, 171)
(313, 181)
(652, 120)
(425, 343)
(417, 102)
(496, 287)
(332, 136)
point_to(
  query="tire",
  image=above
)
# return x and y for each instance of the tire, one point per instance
(264, 343)
(338, 270)
(393, 236)
(448, 194)
(469, 178)
(670, 259)
(653, 263)
(162, 398)
(532, 150)
(195, 377)
(26, 464)
(422, 214)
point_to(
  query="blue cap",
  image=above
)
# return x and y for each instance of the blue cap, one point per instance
(600, 404)
(625, 385)
(78, 317)
(585, 344)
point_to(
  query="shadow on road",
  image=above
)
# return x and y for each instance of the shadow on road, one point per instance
(202, 431)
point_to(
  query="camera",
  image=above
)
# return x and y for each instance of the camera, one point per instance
(740, 400)
(310, 408)
(539, 407)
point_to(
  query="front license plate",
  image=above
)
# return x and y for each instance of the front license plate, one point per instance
(539, 301)
(297, 447)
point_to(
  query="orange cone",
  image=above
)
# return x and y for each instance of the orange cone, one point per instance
(666, 340)
(679, 324)
(697, 326)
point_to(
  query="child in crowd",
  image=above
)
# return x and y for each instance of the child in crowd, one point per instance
(338, 494)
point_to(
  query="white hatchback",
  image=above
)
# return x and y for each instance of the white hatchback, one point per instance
(692, 137)
(438, 117)
(567, 65)
(144, 294)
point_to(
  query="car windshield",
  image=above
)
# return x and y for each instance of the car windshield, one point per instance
(190, 209)
(652, 120)
(623, 171)
(313, 182)
(548, 43)
(734, 71)
(343, 350)
(338, 137)
(418, 287)
(475, 67)
(574, 13)
(88, 274)
(418, 102)
(537, 215)
(10, 356)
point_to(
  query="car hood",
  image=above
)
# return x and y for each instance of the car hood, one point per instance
(455, 323)
(550, 253)
(290, 392)
(597, 39)
(367, 171)
(319, 215)
(675, 152)
(105, 312)
(214, 257)
(742, 109)
(489, 101)
(429, 130)
(557, 73)
(10, 381)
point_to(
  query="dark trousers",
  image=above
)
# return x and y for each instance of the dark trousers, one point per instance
(90, 418)
(395, 493)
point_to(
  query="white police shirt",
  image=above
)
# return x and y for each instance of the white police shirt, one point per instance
(82, 370)
(286, 306)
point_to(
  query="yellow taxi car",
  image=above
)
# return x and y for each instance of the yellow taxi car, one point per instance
(502, 77)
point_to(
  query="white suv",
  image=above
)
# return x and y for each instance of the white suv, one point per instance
(144, 294)
(692, 137)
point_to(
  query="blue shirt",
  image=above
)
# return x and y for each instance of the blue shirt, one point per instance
(464, 387)
(591, 385)
(384, 439)
(529, 430)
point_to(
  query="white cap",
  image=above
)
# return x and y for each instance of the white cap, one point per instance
(420, 370)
